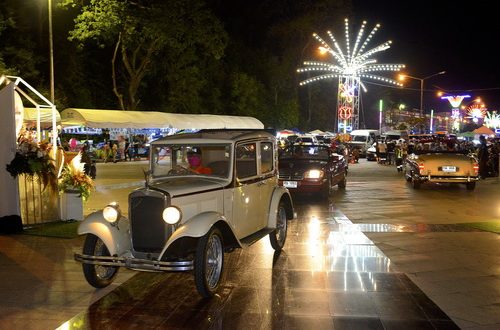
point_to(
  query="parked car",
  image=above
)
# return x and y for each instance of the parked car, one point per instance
(312, 169)
(441, 166)
(306, 140)
(185, 218)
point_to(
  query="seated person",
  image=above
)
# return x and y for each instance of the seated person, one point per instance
(194, 160)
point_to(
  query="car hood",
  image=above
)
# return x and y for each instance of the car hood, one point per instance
(176, 186)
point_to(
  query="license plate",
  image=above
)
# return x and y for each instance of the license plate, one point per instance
(449, 169)
(290, 184)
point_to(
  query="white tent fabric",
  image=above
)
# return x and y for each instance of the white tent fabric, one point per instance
(152, 119)
(483, 130)
(30, 115)
(317, 132)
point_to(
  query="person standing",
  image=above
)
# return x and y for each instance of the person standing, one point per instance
(121, 148)
(126, 152)
(114, 152)
(482, 155)
(398, 152)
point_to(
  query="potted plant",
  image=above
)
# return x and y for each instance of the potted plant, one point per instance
(32, 159)
(73, 178)
(75, 187)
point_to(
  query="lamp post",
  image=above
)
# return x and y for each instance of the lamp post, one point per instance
(51, 43)
(403, 76)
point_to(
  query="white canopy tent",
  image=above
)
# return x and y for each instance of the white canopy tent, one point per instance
(31, 116)
(152, 119)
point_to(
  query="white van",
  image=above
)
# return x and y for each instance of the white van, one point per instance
(395, 135)
(363, 139)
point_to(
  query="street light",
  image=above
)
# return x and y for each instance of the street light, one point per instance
(51, 43)
(403, 76)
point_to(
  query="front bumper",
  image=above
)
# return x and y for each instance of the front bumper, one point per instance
(135, 263)
(305, 186)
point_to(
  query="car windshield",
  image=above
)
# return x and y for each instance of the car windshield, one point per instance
(359, 138)
(188, 159)
(306, 152)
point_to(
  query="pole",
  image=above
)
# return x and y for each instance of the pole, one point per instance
(422, 103)
(431, 130)
(380, 105)
(51, 43)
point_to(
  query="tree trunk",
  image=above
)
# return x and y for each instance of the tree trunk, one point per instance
(113, 67)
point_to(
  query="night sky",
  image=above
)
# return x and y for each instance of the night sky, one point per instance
(432, 36)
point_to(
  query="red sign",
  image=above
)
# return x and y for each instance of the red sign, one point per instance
(345, 112)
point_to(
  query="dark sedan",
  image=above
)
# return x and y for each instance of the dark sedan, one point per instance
(311, 169)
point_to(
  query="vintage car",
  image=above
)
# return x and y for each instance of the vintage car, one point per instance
(205, 194)
(441, 166)
(312, 169)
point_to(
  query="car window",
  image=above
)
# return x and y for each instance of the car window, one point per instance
(359, 138)
(319, 152)
(246, 160)
(266, 156)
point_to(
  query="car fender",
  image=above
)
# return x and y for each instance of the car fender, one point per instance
(197, 226)
(279, 193)
(115, 237)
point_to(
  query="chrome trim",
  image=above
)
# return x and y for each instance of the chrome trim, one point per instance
(134, 263)
(436, 178)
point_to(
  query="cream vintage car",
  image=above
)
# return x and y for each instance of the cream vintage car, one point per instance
(189, 214)
(441, 166)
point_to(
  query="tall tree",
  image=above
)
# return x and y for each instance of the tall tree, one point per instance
(138, 31)
(18, 46)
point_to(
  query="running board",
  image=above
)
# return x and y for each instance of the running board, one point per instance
(251, 239)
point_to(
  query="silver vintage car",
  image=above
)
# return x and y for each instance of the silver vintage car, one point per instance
(206, 193)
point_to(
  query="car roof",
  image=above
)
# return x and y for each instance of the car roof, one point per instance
(215, 136)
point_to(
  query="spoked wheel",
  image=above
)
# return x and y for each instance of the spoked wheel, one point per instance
(96, 275)
(209, 262)
(278, 236)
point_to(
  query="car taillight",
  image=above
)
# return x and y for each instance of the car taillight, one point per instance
(476, 168)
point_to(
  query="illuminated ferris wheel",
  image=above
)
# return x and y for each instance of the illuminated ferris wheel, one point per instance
(351, 67)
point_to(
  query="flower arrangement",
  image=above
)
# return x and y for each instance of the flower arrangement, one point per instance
(73, 177)
(32, 159)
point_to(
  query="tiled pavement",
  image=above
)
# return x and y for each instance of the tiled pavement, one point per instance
(330, 275)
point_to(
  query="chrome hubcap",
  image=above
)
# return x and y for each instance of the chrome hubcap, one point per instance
(214, 261)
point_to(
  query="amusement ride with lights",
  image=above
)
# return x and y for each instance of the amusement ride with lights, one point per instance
(350, 67)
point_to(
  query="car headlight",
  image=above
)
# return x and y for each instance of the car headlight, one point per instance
(112, 212)
(313, 174)
(172, 215)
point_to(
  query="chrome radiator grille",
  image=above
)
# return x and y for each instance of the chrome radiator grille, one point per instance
(149, 231)
(290, 174)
